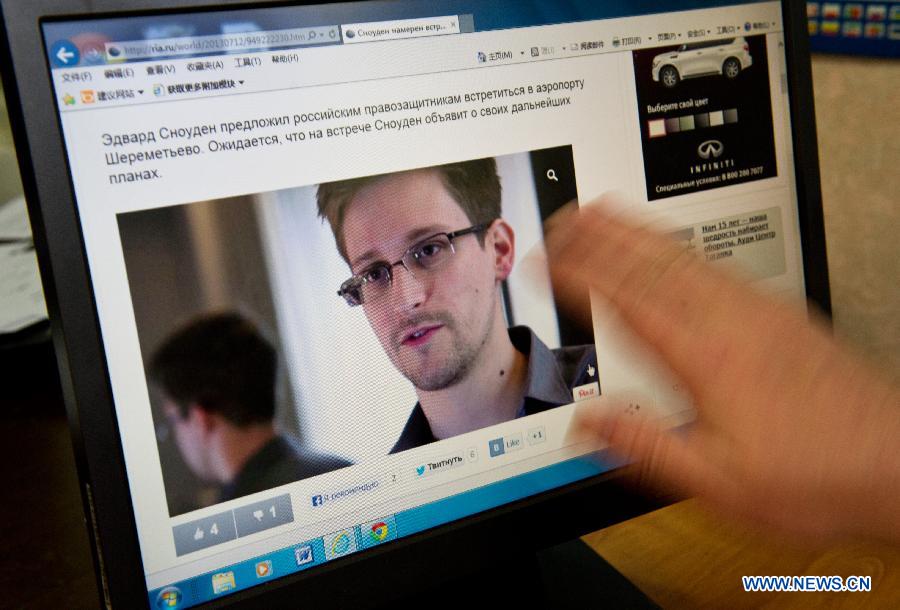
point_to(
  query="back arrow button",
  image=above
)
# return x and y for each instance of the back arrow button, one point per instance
(64, 54)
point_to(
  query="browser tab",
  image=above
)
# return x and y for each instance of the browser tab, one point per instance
(402, 28)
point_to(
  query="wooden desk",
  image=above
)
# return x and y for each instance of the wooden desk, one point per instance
(682, 557)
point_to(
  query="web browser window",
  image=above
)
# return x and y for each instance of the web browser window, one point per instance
(314, 238)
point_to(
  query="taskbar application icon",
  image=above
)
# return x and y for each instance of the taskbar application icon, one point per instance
(340, 543)
(377, 532)
(169, 598)
(223, 582)
(304, 555)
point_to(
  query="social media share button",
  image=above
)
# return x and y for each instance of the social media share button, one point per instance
(536, 436)
(586, 391)
(377, 532)
(441, 464)
(263, 515)
(496, 447)
(513, 442)
(203, 533)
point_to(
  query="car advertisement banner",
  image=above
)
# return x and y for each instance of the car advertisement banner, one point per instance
(706, 115)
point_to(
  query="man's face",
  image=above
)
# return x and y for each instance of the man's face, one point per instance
(189, 437)
(432, 326)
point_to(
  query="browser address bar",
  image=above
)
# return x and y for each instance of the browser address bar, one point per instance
(220, 43)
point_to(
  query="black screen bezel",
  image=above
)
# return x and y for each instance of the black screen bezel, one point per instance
(379, 574)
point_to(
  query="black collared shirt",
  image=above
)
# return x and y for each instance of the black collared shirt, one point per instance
(551, 377)
(278, 463)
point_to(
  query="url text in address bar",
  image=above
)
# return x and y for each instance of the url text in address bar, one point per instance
(220, 43)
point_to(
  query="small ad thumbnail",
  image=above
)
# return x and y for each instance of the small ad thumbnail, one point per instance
(706, 115)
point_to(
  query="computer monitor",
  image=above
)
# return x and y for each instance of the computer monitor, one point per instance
(289, 251)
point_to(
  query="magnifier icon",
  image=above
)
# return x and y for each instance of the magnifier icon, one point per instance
(551, 175)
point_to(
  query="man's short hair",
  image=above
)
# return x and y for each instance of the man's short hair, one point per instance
(474, 185)
(222, 363)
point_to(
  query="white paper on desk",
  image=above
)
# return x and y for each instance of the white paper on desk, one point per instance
(14, 220)
(21, 295)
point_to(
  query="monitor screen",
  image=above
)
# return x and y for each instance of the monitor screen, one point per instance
(314, 236)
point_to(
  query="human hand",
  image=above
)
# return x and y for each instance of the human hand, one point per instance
(792, 430)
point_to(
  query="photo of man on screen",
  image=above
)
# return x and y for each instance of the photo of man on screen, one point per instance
(217, 377)
(428, 251)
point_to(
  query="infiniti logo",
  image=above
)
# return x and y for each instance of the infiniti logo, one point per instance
(710, 149)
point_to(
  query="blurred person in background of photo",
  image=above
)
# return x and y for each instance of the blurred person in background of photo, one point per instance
(217, 375)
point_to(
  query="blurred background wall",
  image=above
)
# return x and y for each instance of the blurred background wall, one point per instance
(859, 152)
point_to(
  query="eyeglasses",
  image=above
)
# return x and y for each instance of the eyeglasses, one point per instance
(374, 282)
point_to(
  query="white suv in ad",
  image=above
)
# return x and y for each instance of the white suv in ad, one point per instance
(727, 57)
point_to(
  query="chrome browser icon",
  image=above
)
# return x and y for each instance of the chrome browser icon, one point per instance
(379, 531)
